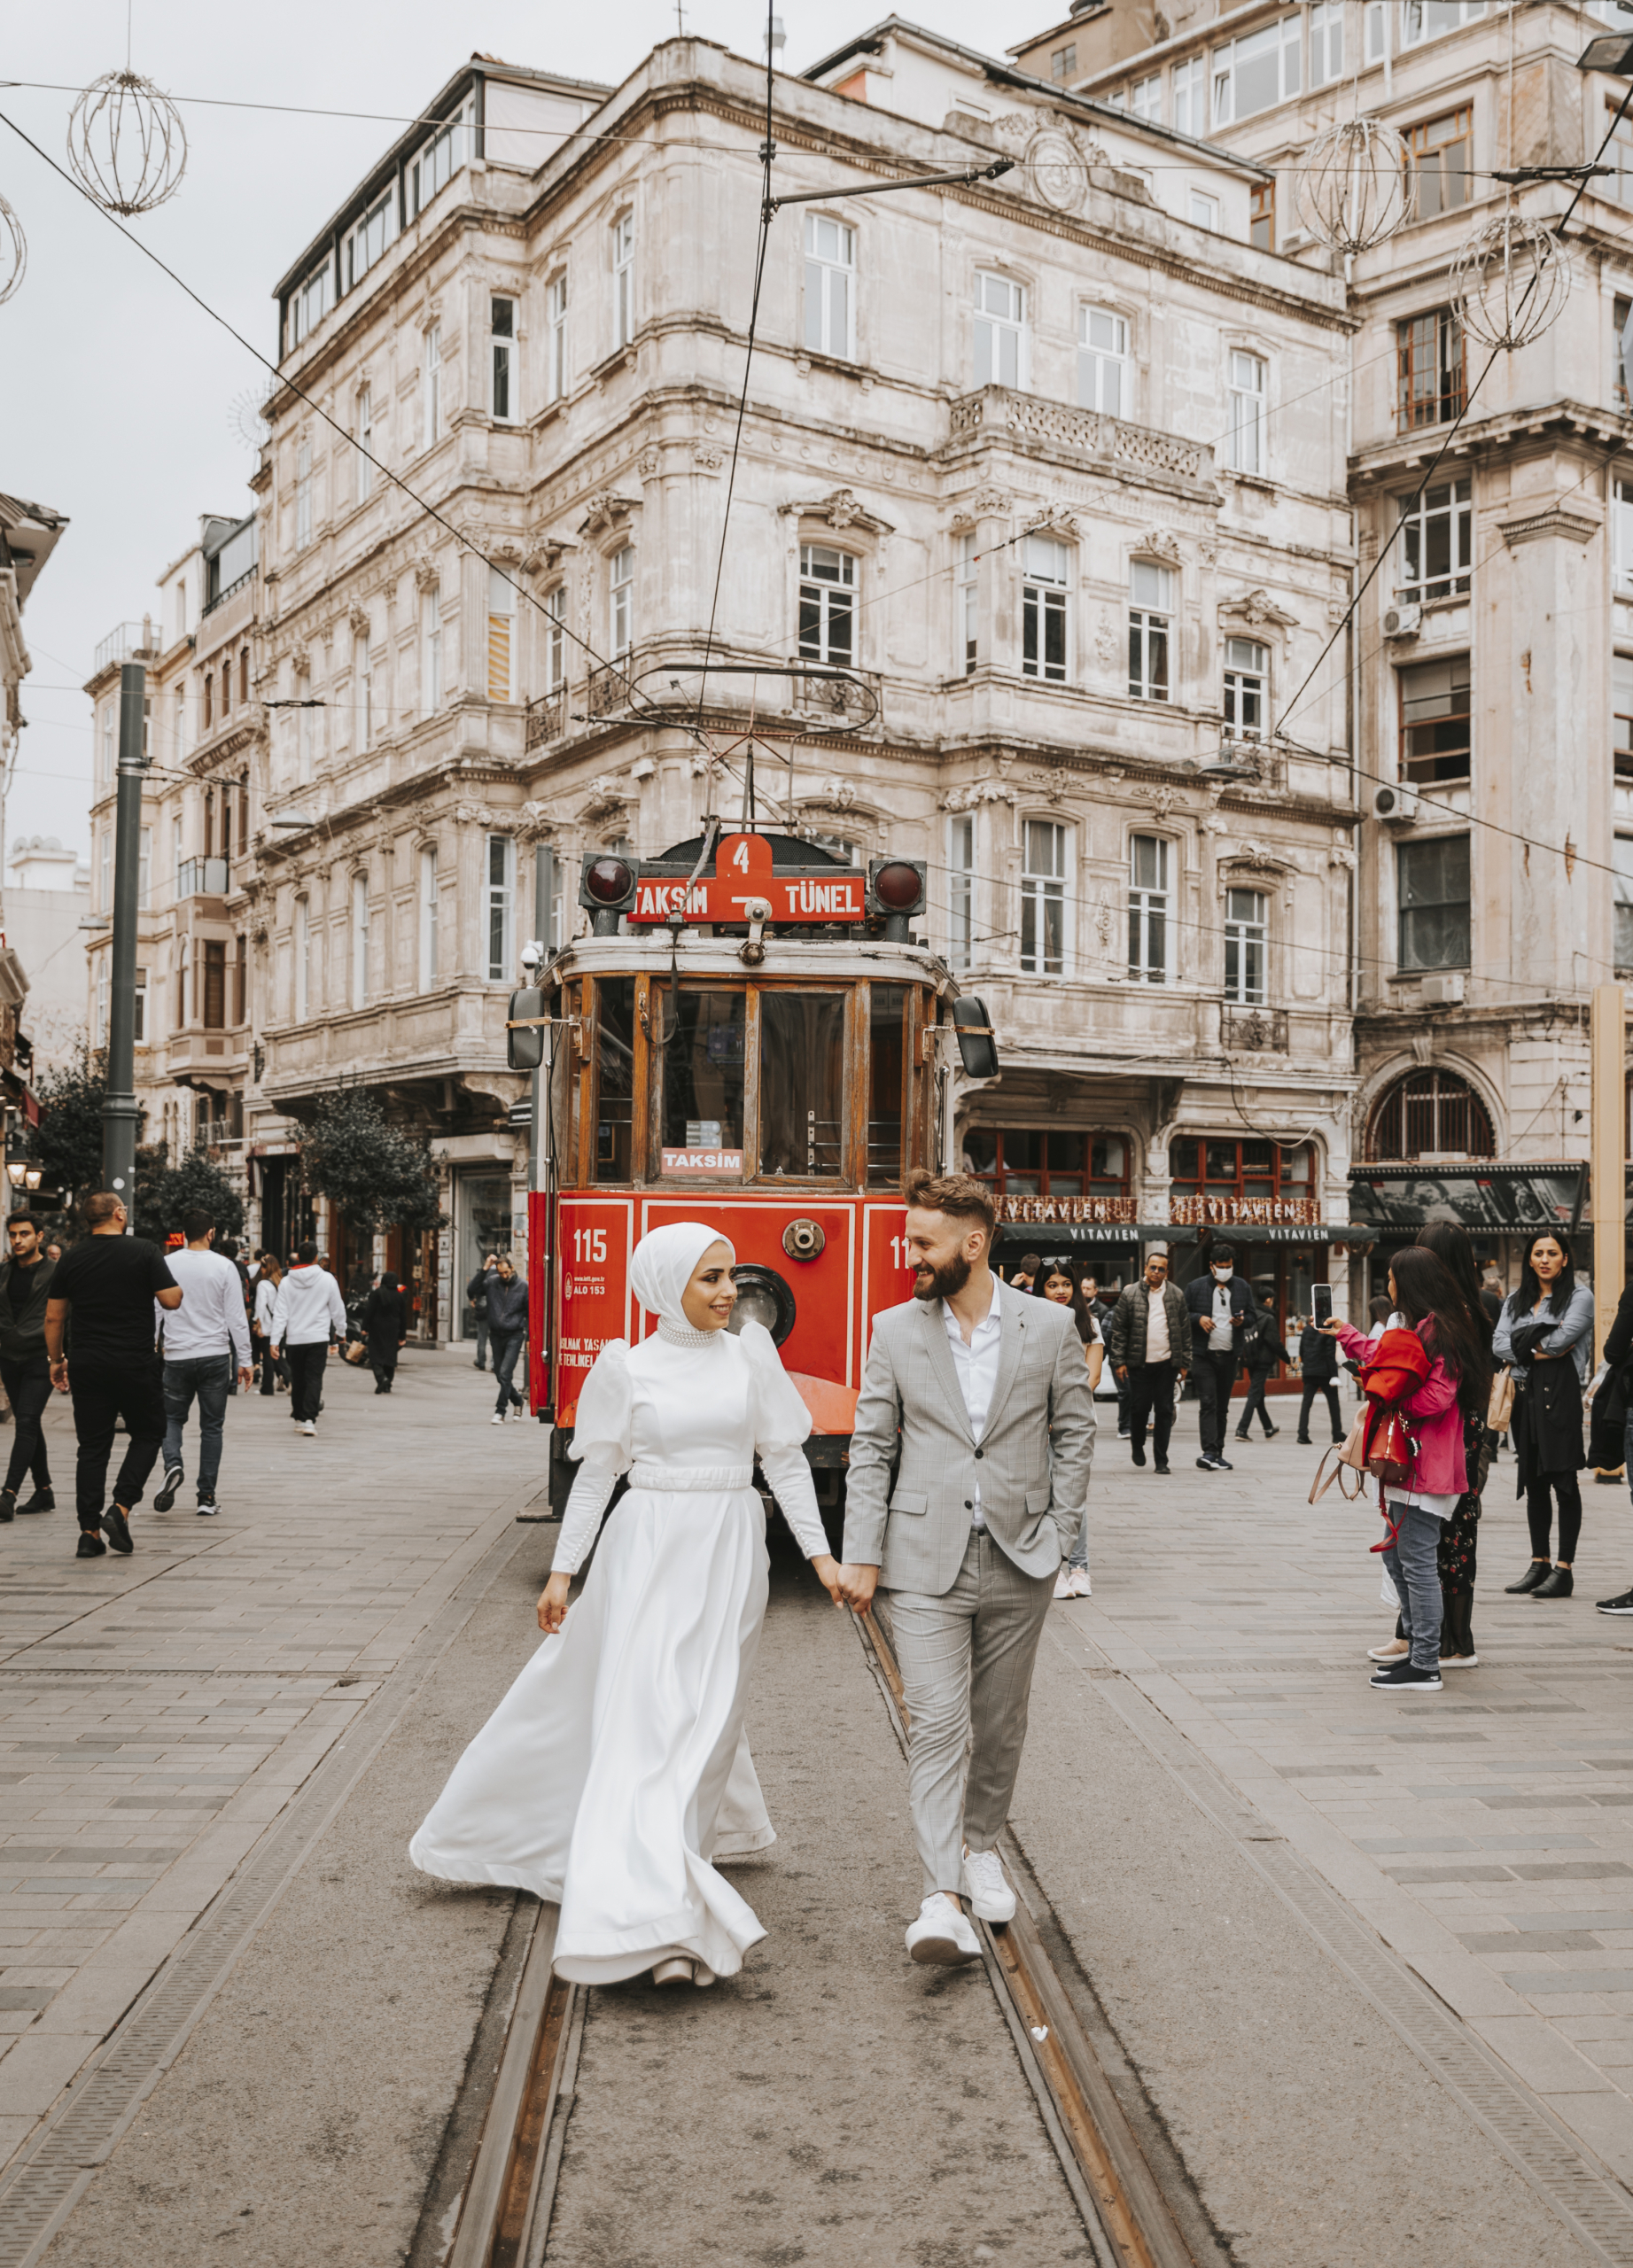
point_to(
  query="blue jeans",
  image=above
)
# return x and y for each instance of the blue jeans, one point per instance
(1413, 1562)
(209, 1377)
(506, 1347)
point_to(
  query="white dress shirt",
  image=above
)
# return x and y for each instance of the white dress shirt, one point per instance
(211, 1318)
(1159, 1347)
(976, 1365)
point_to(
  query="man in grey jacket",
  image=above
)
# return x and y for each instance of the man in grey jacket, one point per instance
(990, 1394)
(1149, 1342)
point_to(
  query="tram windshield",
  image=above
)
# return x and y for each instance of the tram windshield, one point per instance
(704, 1062)
(802, 1085)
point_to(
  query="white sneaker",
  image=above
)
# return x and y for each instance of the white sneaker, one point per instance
(941, 1932)
(1460, 1661)
(984, 1885)
(1396, 1650)
(499, 1417)
(309, 1428)
(1072, 1582)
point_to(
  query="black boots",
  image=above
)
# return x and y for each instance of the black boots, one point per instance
(1539, 1572)
(1557, 1586)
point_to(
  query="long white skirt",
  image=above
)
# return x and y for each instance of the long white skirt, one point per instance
(616, 1768)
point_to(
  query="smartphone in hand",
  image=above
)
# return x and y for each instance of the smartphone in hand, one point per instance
(1321, 1304)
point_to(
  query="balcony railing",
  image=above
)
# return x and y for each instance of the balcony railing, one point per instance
(231, 590)
(547, 718)
(998, 410)
(1259, 1032)
(202, 878)
(132, 642)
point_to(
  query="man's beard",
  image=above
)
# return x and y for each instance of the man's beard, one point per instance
(941, 1283)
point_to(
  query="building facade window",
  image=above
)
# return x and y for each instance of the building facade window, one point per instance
(967, 601)
(240, 978)
(144, 865)
(1204, 210)
(362, 689)
(431, 386)
(1244, 447)
(827, 605)
(1147, 909)
(303, 957)
(830, 286)
(501, 636)
(309, 304)
(1145, 99)
(1247, 946)
(1434, 720)
(1326, 43)
(371, 238)
(1430, 1114)
(107, 718)
(104, 890)
(1618, 151)
(555, 605)
(501, 905)
(1046, 568)
(555, 338)
(1622, 714)
(365, 444)
(1102, 363)
(1190, 92)
(359, 941)
(1261, 215)
(1246, 689)
(1228, 1181)
(1442, 156)
(1432, 880)
(303, 732)
(621, 600)
(430, 649)
(1043, 898)
(1257, 72)
(1000, 332)
(1422, 19)
(1049, 1161)
(1151, 605)
(441, 158)
(1376, 13)
(303, 494)
(428, 917)
(1622, 311)
(961, 889)
(1433, 371)
(1622, 536)
(506, 394)
(1064, 64)
(1437, 542)
(623, 251)
(140, 1027)
(214, 972)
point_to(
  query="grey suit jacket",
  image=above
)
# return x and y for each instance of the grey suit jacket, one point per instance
(1032, 1505)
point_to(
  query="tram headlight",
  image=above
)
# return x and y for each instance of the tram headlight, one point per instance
(763, 1297)
(607, 889)
(898, 887)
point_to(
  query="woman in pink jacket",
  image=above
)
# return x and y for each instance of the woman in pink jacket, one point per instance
(1427, 1301)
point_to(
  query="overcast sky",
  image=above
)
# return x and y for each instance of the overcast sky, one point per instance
(116, 393)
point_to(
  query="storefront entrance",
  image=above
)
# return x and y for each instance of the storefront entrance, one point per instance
(484, 1217)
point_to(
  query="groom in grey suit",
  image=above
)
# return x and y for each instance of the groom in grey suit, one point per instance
(989, 1390)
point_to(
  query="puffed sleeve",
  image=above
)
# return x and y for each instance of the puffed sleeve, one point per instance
(781, 1421)
(600, 1444)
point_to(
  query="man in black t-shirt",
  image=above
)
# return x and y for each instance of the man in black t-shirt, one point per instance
(25, 1287)
(104, 1289)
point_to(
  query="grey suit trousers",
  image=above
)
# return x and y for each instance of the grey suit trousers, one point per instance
(966, 1659)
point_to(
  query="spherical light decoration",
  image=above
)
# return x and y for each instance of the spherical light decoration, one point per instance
(1510, 280)
(126, 143)
(1356, 186)
(14, 252)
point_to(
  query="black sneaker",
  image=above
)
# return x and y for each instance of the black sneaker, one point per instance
(8, 1504)
(1305, 1442)
(116, 1528)
(1220, 1465)
(207, 1507)
(1205, 1464)
(41, 1501)
(1162, 1465)
(1406, 1676)
(1622, 1606)
(1137, 1452)
(91, 1546)
(166, 1495)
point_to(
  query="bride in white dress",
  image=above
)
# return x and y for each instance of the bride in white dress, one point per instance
(616, 1769)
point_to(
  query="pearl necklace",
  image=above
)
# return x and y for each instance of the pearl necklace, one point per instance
(682, 1334)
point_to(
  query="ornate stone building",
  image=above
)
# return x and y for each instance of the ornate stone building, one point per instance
(1008, 459)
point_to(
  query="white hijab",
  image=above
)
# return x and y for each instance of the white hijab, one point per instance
(662, 1265)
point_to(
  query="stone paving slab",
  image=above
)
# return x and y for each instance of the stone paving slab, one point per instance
(159, 1712)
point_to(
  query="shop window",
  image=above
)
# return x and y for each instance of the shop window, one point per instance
(1051, 1161)
(1216, 1183)
(1430, 1115)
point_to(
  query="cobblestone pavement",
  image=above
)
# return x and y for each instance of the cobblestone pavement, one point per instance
(1486, 1832)
(159, 1712)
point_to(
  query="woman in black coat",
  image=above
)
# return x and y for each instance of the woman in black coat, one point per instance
(385, 1326)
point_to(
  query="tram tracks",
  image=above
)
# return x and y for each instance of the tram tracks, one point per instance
(504, 2214)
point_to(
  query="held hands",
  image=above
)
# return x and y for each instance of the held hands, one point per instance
(827, 1571)
(553, 1604)
(856, 1588)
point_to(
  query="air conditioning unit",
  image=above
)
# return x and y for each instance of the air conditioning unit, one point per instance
(1448, 991)
(1396, 806)
(1401, 621)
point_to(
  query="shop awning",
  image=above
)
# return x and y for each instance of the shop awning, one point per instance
(1065, 1235)
(1512, 1200)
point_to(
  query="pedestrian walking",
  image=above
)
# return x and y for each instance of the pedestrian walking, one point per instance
(204, 1343)
(25, 1372)
(1317, 1363)
(1543, 1334)
(102, 1299)
(1102, 1306)
(385, 1326)
(1025, 1277)
(1150, 1345)
(477, 1291)
(507, 1327)
(1440, 1369)
(1057, 1284)
(1617, 1354)
(1265, 1349)
(984, 1396)
(1222, 1307)
(308, 1309)
(274, 1374)
(53, 1249)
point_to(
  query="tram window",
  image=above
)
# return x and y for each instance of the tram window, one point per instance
(887, 1009)
(703, 1073)
(615, 1097)
(802, 1085)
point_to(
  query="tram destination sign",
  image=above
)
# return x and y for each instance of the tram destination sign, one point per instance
(743, 874)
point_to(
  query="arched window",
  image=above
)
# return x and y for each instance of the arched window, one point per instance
(1431, 1113)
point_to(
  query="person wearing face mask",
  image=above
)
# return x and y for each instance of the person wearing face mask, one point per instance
(1222, 1309)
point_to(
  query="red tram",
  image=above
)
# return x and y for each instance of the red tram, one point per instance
(751, 1036)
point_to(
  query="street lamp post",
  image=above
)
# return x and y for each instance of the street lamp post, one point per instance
(120, 1114)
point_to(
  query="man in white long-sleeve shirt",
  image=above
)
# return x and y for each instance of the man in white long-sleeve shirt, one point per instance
(203, 1339)
(308, 1308)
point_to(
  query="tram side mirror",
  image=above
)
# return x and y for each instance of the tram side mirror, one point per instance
(607, 890)
(977, 1042)
(525, 1029)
